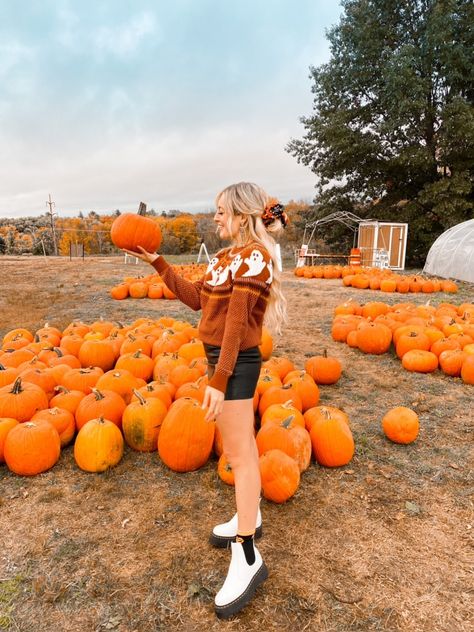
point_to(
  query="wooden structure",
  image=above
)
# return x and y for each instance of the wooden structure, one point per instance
(377, 244)
(382, 243)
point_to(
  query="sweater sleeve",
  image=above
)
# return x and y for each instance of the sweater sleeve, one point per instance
(251, 279)
(188, 293)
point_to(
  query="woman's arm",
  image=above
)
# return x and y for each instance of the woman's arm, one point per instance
(187, 292)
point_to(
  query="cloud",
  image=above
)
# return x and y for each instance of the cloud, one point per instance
(13, 54)
(124, 39)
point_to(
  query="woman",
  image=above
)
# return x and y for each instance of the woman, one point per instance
(240, 287)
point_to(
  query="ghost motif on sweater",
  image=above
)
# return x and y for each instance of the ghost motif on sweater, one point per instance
(212, 263)
(255, 263)
(270, 271)
(235, 265)
(219, 276)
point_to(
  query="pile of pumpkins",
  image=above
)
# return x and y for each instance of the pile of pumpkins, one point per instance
(364, 278)
(102, 385)
(152, 285)
(424, 337)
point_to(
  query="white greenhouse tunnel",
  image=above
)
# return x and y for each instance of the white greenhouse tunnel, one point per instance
(452, 254)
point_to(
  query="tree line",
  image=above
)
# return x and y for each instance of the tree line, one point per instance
(182, 232)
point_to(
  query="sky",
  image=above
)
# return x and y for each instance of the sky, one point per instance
(106, 103)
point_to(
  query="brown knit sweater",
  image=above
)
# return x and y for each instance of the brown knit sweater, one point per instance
(233, 296)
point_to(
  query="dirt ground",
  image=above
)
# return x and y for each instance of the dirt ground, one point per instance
(384, 544)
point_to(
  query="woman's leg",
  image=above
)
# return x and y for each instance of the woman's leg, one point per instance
(236, 425)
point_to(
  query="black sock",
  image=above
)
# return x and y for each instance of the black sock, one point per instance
(247, 545)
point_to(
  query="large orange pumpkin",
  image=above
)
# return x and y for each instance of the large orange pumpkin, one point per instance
(21, 400)
(280, 475)
(131, 230)
(141, 422)
(32, 448)
(289, 437)
(98, 445)
(333, 444)
(186, 438)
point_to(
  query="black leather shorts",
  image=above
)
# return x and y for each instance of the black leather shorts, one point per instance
(243, 381)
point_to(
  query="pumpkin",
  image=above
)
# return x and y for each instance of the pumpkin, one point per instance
(66, 399)
(289, 437)
(412, 340)
(186, 438)
(141, 422)
(7, 375)
(99, 353)
(279, 395)
(224, 470)
(305, 386)
(420, 361)
(82, 379)
(279, 365)
(6, 424)
(131, 230)
(280, 475)
(31, 448)
(100, 403)
(267, 379)
(61, 419)
(155, 389)
(139, 364)
(98, 445)
(467, 369)
(266, 345)
(21, 400)
(276, 413)
(332, 441)
(451, 361)
(121, 381)
(323, 369)
(374, 338)
(319, 413)
(401, 424)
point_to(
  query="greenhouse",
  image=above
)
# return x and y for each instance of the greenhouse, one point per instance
(452, 254)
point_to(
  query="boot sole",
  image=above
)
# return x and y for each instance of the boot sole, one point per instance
(227, 611)
(223, 542)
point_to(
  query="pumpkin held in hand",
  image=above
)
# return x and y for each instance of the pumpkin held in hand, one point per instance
(131, 230)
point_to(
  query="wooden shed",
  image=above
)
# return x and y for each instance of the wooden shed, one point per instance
(382, 242)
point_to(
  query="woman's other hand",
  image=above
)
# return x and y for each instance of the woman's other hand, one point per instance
(148, 257)
(213, 401)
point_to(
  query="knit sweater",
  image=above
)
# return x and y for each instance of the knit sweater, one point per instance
(233, 295)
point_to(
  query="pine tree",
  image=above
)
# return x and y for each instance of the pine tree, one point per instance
(393, 119)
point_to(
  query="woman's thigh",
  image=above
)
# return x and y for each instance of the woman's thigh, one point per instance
(236, 422)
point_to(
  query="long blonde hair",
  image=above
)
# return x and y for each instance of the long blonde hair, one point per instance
(249, 200)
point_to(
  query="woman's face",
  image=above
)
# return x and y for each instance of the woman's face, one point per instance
(221, 218)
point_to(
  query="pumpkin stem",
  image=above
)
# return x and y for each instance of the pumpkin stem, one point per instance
(137, 353)
(139, 396)
(62, 389)
(325, 353)
(98, 394)
(2, 368)
(286, 423)
(17, 389)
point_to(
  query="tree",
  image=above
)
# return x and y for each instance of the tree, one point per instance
(393, 117)
(3, 246)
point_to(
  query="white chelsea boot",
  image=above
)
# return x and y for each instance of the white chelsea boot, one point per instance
(223, 534)
(241, 582)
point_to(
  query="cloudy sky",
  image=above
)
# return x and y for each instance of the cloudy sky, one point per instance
(104, 103)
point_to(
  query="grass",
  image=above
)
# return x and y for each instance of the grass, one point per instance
(127, 550)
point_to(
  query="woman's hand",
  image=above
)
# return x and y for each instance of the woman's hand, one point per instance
(213, 401)
(147, 257)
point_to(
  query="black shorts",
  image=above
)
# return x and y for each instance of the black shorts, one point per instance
(243, 381)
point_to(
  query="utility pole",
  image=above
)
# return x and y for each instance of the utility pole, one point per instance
(50, 204)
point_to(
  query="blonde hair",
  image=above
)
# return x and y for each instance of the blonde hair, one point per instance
(249, 200)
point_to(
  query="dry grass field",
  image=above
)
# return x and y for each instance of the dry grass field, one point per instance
(384, 544)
